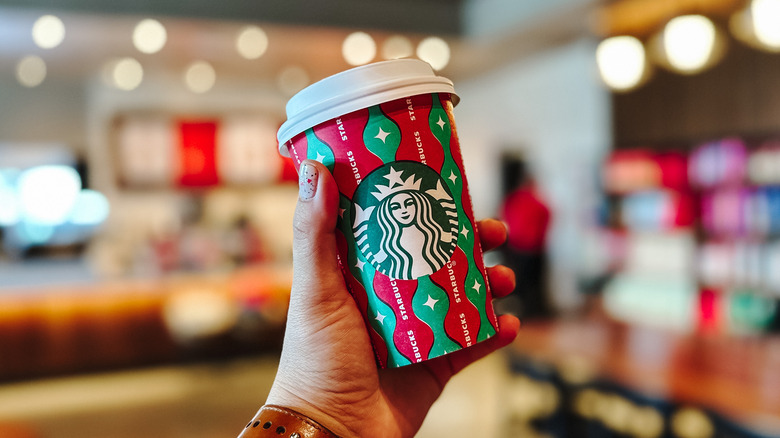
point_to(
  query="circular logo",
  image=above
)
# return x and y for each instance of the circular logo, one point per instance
(405, 220)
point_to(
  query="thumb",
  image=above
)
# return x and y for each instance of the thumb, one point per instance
(314, 239)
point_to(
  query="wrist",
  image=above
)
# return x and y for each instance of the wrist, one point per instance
(310, 408)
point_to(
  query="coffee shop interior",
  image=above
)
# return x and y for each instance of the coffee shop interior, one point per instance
(633, 146)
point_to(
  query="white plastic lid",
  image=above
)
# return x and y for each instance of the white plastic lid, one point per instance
(357, 88)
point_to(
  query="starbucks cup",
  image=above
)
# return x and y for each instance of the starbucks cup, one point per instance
(407, 239)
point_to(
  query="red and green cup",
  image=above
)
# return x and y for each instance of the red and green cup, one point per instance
(408, 244)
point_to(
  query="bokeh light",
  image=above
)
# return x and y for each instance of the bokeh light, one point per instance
(358, 48)
(90, 208)
(31, 71)
(47, 193)
(48, 32)
(689, 42)
(200, 77)
(10, 213)
(435, 51)
(621, 61)
(126, 74)
(34, 233)
(766, 22)
(149, 36)
(252, 42)
(397, 46)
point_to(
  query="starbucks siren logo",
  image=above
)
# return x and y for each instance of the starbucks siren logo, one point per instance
(406, 221)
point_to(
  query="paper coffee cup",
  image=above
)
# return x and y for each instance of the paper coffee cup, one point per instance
(408, 246)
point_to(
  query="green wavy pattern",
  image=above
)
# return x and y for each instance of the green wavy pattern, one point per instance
(319, 151)
(431, 307)
(378, 127)
(475, 287)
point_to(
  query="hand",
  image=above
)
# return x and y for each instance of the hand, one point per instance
(327, 368)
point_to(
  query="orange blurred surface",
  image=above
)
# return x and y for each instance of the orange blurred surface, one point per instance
(735, 376)
(119, 324)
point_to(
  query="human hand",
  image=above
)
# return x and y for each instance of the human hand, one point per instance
(327, 369)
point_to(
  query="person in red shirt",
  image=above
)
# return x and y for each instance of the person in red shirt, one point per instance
(528, 218)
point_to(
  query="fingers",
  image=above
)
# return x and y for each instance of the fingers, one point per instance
(502, 280)
(492, 233)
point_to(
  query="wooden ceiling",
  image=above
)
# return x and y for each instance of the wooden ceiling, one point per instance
(642, 18)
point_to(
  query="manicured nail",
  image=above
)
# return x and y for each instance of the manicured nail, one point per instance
(307, 183)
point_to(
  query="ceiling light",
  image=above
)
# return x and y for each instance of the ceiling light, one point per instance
(127, 74)
(689, 42)
(397, 46)
(621, 61)
(200, 77)
(435, 51)
(766, 22)
(48, 32)
(358, 48)
(31, 71)
(149, 36)
(252, 42)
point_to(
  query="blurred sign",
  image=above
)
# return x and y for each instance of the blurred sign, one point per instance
(146, 153)
(247, 151)
(197, 153)
(155, 150)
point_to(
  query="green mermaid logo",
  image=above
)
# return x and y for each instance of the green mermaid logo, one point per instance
(406, 221)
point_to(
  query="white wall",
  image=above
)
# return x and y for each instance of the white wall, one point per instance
(492, 17)
(552, 107)
(51, 112)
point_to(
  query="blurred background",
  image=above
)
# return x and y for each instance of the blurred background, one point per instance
(632, 146)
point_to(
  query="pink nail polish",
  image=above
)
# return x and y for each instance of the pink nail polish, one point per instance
(307, 181)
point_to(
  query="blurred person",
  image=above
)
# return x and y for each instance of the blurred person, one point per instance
(528, 220)
(328, 383)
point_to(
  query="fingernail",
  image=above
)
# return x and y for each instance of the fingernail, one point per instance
(307, 182)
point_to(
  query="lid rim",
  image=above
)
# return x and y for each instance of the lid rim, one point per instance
(381, 82)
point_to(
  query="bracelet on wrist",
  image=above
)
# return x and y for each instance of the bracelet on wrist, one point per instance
(278, 421)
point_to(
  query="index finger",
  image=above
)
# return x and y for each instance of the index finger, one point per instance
(492, 233)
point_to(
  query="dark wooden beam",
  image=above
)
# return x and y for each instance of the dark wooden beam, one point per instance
(442, 17)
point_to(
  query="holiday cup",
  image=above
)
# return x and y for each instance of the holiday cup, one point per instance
(407, 240)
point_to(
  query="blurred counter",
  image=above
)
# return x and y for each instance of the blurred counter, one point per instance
(735, 378)
(110, 325)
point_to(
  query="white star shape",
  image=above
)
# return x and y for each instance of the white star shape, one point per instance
(382, 135)
(477, 286)
(394, 176)
(452, 177)
(360, 264)
(320, 157)
(441, 123)
(465, 232)
(380, 318)
(431, 302)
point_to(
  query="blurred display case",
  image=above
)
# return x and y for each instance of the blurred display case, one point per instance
(698, 233)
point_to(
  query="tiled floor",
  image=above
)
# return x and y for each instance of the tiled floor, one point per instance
(210, 401)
